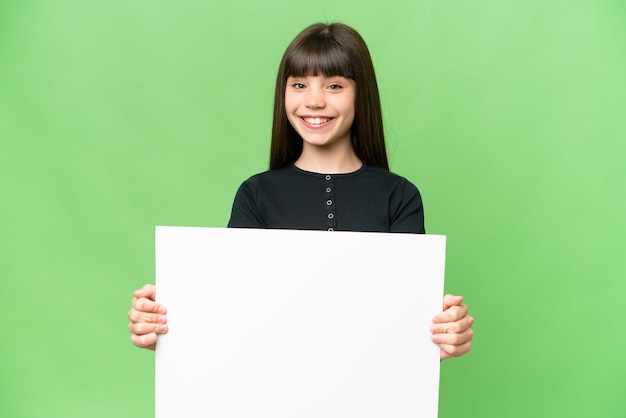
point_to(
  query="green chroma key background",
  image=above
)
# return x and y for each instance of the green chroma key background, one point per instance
(509, 116)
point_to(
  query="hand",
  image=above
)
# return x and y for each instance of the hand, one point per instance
(147, 318)
(452, 328)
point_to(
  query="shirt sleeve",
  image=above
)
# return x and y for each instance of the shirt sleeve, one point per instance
(245, 213)
(407, 212)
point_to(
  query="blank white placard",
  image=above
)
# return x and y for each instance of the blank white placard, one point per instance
(289, 324)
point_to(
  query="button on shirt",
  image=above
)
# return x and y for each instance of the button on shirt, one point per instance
(368, 200)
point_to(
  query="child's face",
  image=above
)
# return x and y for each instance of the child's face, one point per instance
(321, 108)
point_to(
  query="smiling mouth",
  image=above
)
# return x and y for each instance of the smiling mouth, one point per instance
(316, 121)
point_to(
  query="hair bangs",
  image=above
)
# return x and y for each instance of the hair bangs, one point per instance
(318, 56)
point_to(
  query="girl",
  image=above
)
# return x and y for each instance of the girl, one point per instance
(328, 169)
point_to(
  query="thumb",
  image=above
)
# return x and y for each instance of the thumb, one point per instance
(147, 291)
(451, 300)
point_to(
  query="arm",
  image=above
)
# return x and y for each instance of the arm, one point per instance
(406, 209)
(452, 328)
(244, 212)
(147, 318)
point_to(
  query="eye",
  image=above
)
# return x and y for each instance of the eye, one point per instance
(297, 86)
(334, 86)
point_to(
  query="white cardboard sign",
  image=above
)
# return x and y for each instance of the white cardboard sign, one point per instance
(297, 324)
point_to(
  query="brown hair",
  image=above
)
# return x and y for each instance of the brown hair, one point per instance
(331, 50)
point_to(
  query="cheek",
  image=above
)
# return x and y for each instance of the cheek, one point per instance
(290, 104)
(349, 110)
(289, 110)
(347, 105)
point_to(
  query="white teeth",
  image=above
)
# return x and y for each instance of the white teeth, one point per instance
(316, 121)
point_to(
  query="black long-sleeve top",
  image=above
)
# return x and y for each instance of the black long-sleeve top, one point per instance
(368, 200)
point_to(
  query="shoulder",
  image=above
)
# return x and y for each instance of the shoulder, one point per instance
(268, 177)
(405, 202)
(271, 184)
(247, 210)
(380, 173)
(388, 180)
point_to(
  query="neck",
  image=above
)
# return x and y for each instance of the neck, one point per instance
(328, 161)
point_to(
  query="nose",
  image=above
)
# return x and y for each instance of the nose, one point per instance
(315, 98)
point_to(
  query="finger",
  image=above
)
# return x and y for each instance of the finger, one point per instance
(140, 316)
(148, 305)
(143, 328)
(454, 350)
(144, 341)
(451, 300)
(455, 327)
(453, 313)
(147, 291)
(453, 339)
